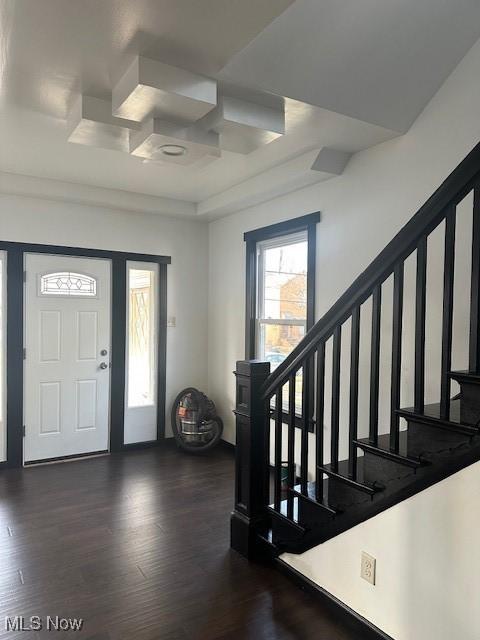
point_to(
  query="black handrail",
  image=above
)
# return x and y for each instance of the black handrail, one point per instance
(458, 184)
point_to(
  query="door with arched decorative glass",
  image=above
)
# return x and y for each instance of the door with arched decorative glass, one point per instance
(67, 356)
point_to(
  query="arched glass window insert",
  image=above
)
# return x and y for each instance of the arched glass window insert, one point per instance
(67, 283)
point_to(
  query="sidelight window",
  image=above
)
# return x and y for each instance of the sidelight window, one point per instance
(141, 337)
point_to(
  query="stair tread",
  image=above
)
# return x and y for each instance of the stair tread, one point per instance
(383, 448)
(399, 489)
(311, 495)
(383, 442)
(431, 413)
(356, 506)
(466, 375)
(341, 474)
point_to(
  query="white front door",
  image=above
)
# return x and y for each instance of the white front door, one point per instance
(67, 341)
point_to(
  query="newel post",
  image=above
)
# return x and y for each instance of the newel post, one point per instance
(251, 458)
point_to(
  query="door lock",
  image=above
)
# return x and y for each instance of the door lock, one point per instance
(103, 352)
(103, 365)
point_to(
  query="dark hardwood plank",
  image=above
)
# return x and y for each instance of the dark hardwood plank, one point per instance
(137, 544)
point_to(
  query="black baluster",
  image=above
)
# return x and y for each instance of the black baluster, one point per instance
(375, 362)
(277, 486)
(319, 412)
(337, 345)
(291, 443)
(396, 356)
(420, 313)
(353, 409)
(448, 277)
(474, 344)
(306, 419)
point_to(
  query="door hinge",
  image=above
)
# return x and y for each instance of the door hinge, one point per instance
(24, 276)
(23, 431)
(24, 353)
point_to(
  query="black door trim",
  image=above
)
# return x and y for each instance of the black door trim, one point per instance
(15, 322)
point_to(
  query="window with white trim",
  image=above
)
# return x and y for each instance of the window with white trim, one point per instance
(280, 302)
(281, 296)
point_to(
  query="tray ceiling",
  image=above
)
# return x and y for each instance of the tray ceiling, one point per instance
(270, 94)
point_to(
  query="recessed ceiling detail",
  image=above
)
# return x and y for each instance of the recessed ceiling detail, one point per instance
(90, 122)
(154, 104)
(244, 126)
(150, 88)
(331, 161)
(158, 135)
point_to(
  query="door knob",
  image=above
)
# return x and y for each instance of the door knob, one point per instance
(103, 365)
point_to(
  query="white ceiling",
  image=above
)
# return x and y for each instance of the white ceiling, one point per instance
(365, 67)
(377, 60)
(52, 48)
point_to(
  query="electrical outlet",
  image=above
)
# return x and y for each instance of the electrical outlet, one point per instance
(369, 566)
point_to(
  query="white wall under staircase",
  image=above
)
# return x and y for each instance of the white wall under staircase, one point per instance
(428, 563)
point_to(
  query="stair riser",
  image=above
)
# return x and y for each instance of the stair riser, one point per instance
(424, 440)
(283, 533)
(310, 515)
(341, 495)
(470, 403)
(382, 470)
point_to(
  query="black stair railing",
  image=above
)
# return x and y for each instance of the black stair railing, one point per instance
(309, 357)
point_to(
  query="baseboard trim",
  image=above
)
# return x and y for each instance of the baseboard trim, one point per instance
(147, 444)
(362, 627)
(227, 445)
(71, 458)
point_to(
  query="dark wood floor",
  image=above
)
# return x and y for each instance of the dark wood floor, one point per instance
(137, 544)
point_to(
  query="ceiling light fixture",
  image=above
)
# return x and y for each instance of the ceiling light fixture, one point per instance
(173, 150)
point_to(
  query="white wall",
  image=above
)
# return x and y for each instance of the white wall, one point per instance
(362, 210)
(428, 563)
(25, 219)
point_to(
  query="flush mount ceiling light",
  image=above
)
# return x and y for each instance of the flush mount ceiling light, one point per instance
(172, 150)
(173, 142)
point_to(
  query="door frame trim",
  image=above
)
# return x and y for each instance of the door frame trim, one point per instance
(15, 339)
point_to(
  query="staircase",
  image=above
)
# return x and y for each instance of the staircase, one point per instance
(293, 493)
